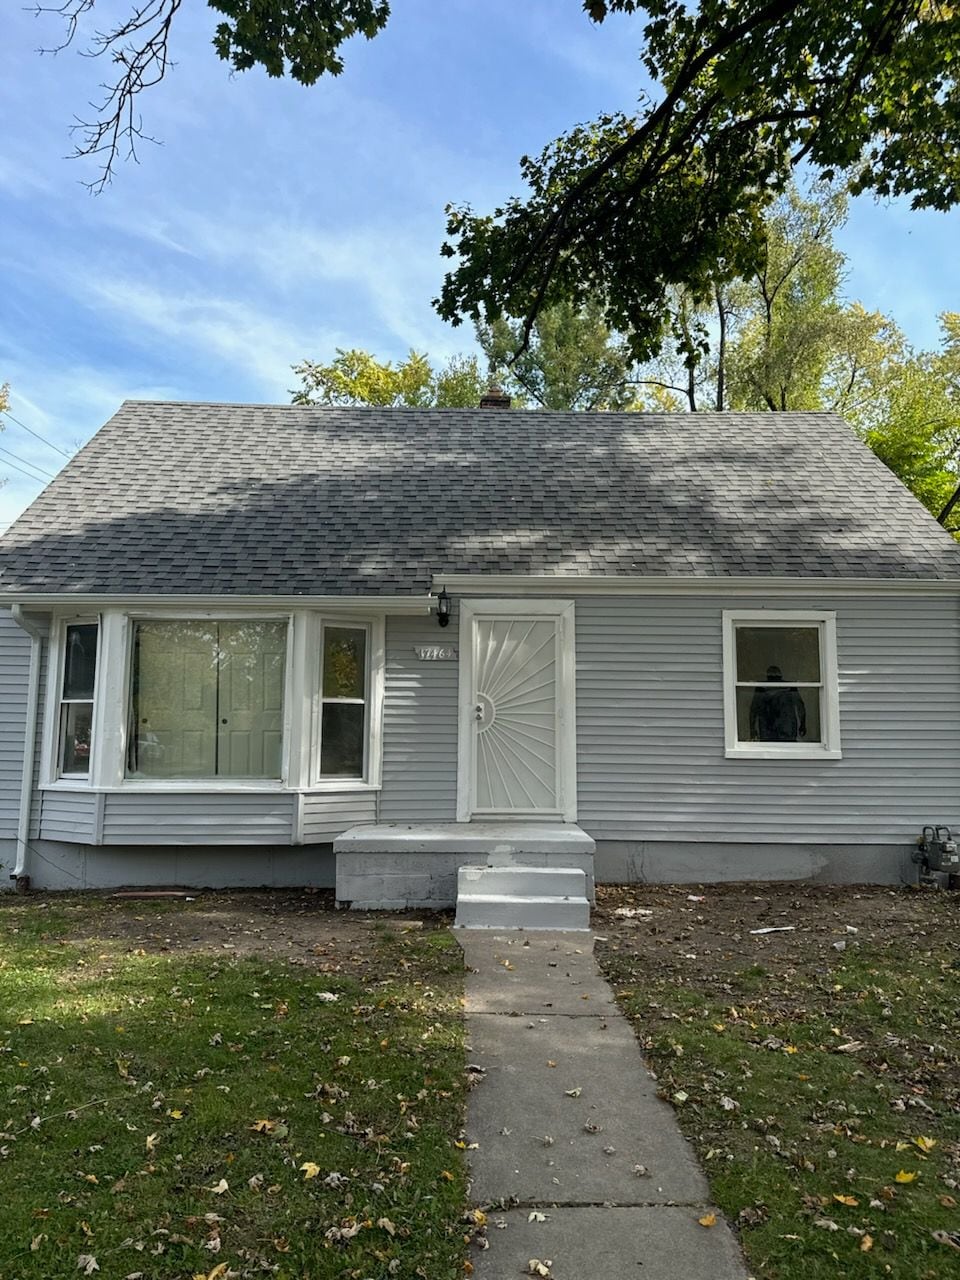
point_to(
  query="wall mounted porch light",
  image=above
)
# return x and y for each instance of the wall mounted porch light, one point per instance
(443, 608)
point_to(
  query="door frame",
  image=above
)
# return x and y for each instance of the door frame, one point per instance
(566, 751)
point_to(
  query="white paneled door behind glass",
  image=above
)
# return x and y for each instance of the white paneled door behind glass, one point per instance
(515, 715)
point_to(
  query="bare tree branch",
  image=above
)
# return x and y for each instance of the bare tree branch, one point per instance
(139, 49)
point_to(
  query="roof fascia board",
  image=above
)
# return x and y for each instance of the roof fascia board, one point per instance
(410, 605)
(622, 585)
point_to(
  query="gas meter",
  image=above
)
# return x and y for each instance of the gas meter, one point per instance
(937, 855)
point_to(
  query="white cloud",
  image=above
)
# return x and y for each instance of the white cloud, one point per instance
(201, 325)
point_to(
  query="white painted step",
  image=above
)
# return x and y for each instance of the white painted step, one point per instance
(505, 911)
(520, 881)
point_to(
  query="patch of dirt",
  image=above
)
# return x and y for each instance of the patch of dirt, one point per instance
(301, 927)
(698, 932)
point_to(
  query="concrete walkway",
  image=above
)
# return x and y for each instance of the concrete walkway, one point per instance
(569, 1126)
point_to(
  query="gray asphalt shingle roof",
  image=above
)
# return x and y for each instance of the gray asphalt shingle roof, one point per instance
(248, 499)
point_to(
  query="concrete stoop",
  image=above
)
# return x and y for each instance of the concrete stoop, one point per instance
(522, 897)
(417, 865)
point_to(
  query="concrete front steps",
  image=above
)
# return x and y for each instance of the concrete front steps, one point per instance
(522, 897)
(413, 865)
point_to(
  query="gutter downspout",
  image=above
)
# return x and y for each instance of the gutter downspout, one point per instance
(19, 874)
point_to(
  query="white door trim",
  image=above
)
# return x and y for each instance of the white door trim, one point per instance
(564, 612)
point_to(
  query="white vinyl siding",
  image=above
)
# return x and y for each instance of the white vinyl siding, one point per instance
(70, 816)
(327, 815)
(419, 724)
(14, 671)
(198, 818)
(650, 722)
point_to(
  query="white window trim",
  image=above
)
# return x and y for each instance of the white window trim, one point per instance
(50, 746)
(826, 623)
(374, 682)
(300, 758)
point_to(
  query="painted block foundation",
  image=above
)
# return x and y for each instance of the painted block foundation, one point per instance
(54, 865)
(695, 862)
(429, 880)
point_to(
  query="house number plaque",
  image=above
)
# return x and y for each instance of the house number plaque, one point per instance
(436, 652)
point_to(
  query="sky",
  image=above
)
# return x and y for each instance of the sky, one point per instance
(277, 222)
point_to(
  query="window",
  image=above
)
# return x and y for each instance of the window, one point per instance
(344, 695)
(780, 684)
(76, 699)
(206, 699)
(216, 703)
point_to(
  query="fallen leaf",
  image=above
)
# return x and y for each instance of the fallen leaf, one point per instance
(950, 1238)
(536, 1216)
(573, 1093)
(222, 1186)
(536, 1267)
(925, 1144)
(263, 1126)
(904, 1176)
(87, 1263)
(175, 1115)
(386, 1225)
(708, 1220)
(309, 1170)
(850, 1201)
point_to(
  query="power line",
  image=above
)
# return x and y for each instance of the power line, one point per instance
(42, 439)
(24, 472)
(26, 462)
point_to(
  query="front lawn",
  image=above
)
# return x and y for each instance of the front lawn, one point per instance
(225, 1088)
(816, 1069)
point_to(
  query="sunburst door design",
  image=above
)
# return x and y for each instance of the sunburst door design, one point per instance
(515, 713)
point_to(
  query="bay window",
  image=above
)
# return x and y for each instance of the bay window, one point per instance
(215, 701)
(780, 684)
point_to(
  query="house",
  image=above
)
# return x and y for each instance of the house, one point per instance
(677, 648)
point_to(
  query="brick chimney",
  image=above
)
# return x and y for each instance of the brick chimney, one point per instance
(494, 398)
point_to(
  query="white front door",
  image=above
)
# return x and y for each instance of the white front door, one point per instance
(517, 722)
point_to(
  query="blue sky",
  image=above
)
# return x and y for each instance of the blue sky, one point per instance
(277, 222)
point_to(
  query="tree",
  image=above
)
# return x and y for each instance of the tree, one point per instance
(910, 417)
(356, 377)
(572, 360)
(633, 206)
(765, 341)
(284, 37)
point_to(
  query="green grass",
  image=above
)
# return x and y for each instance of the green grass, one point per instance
(809, 1081)
(132, 1082)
